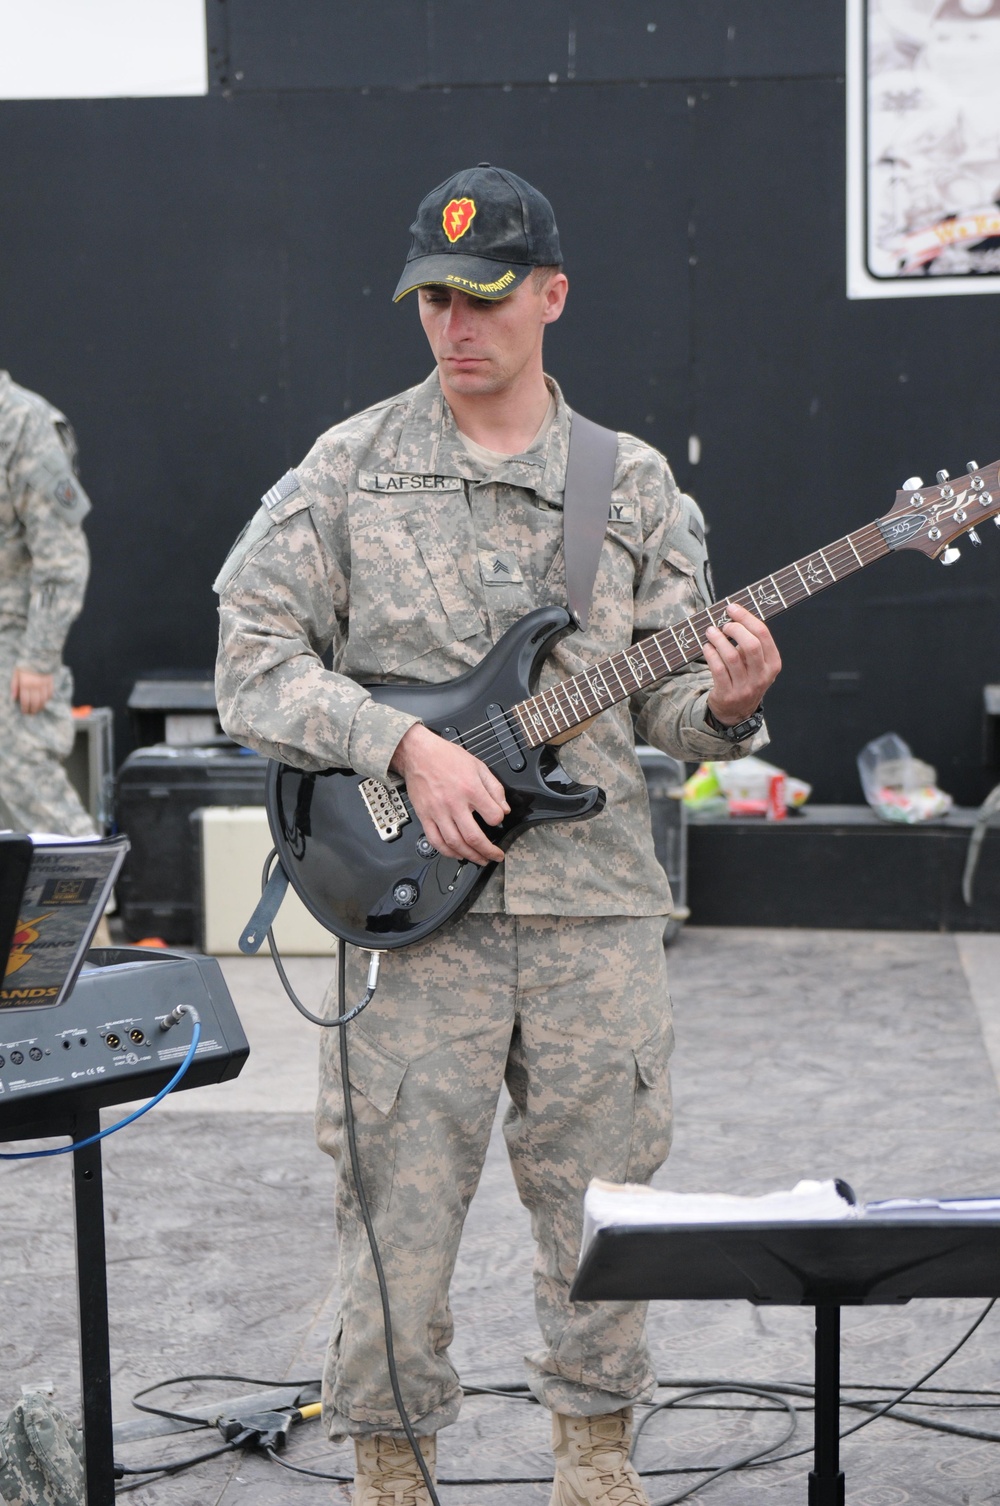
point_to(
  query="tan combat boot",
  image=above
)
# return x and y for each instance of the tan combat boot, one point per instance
(386, 1473)
(592, 1467)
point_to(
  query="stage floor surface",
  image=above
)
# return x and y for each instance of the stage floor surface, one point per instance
(873, 1056)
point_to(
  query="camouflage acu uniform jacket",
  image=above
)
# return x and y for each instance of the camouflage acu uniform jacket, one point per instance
(44, 561)
(392, 548)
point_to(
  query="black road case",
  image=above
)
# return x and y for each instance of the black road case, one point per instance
(157, 789)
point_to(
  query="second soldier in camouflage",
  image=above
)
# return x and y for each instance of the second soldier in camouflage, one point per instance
(44, 564)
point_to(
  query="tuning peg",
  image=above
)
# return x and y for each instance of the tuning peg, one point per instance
(973, 537)
(942, 476)
(950, 556)
(913, 484)
(972, 466)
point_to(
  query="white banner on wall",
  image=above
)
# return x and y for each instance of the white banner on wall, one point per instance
(923, 147)
(102, 49)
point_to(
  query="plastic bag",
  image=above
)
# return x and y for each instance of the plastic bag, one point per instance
(897, 786)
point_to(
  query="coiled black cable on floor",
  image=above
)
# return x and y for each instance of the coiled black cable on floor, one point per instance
(694, 1390)
(724, 1469)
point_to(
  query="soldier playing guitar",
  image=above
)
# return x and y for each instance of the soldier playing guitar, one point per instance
(410, 539)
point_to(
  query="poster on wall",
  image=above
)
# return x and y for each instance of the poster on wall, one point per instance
(923, 147)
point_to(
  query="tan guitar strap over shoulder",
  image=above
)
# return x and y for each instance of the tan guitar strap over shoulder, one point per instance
(590, 478)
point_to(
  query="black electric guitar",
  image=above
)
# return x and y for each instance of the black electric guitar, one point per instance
(353, 848)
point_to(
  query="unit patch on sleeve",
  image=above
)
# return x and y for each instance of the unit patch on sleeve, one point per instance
(498, 567)
(393, 481)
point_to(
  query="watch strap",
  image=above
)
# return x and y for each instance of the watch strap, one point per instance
(741, 731)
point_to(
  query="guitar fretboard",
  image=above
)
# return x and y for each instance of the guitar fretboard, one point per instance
(544, 716)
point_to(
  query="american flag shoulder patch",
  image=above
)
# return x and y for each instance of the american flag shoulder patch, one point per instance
(288, 484)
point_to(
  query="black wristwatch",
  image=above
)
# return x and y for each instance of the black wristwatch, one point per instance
(741, 731)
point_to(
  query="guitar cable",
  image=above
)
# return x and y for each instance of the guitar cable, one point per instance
(342, 1019)
(345, 1016)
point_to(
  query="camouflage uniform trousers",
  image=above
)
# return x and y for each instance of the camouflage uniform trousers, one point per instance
(574, 1015)
(35, 792)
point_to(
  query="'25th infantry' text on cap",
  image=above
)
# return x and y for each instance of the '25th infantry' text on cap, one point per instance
(482, 231)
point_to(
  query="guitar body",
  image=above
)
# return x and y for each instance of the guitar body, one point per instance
(385, 893)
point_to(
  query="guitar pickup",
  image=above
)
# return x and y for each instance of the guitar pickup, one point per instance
(385, 806)
(505, 737)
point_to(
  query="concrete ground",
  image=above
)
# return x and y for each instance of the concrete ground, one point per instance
(872, 1056)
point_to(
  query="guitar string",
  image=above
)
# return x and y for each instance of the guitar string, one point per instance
(839, 554)
(554, 700)
(481, 737)
(872, 548)
(849, 554)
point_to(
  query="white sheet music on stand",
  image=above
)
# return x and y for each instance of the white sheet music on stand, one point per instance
(625, 1205)
(608, 1204)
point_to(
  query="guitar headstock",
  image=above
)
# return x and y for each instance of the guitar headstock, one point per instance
(928, 518)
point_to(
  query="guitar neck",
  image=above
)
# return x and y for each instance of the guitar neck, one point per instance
(543, 717)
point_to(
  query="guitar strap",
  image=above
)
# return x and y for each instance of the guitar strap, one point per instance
(590, 478)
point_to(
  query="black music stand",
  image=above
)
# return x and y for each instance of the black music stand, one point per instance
(873, 1259)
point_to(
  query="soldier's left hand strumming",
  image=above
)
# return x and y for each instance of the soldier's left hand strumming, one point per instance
(744, 662)
(32, 691)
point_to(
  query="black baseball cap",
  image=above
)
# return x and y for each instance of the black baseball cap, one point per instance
(482, 231)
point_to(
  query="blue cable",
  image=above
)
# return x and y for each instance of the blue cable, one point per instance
(62, 1150)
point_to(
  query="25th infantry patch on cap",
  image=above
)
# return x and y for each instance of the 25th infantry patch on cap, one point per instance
(457, 217)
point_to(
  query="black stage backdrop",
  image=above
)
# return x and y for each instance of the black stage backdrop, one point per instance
(204, 285)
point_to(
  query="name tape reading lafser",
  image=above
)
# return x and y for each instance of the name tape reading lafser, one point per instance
(402, 482)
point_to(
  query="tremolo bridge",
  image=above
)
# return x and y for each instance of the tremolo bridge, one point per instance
(385, 806)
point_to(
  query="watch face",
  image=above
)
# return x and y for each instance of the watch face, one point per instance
(746, 728)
